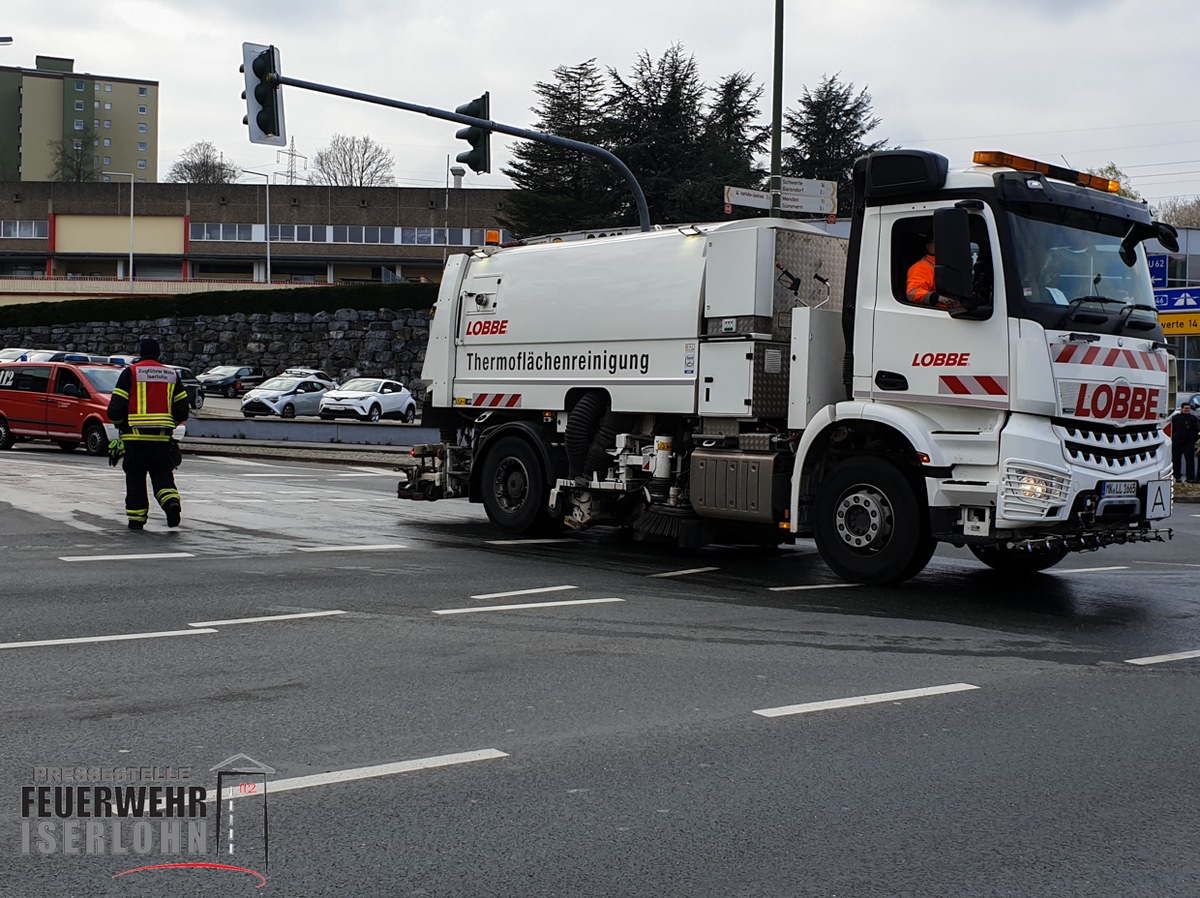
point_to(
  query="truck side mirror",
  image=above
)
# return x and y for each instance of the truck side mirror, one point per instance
(952, 239)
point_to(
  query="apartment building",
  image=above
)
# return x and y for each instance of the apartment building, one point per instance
(99, 122)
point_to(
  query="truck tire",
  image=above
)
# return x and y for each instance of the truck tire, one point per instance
(1009, 561)
(514, 486)
(869, 525)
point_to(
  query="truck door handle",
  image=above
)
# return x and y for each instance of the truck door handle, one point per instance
(890, 380)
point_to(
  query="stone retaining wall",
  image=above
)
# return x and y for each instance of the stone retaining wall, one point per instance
(345, 343)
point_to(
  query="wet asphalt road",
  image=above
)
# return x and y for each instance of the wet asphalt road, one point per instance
(617, 745)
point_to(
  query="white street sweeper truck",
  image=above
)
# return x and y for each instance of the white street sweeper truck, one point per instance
(758, 381)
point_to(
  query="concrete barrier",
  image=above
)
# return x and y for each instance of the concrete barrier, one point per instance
(333, 432)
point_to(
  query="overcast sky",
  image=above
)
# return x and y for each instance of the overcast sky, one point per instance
(1085, 81)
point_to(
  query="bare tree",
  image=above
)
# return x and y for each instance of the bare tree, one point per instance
(74, 157)
(354, 162)
(203, 163)
(1183, 213)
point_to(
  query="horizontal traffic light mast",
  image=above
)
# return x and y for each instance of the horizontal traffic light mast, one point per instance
(484, 125)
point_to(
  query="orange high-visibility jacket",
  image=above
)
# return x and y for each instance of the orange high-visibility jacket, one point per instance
(920, 280)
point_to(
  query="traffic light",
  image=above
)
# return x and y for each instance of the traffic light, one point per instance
(479, 157)
(263, 95)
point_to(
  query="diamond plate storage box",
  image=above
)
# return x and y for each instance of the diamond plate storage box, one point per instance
(755, 277)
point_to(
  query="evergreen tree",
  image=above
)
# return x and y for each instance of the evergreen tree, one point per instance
(829, 130)
(656, 127)
(732, 140)
(560, 189)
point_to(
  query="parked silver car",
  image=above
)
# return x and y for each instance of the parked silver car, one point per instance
(285, 397)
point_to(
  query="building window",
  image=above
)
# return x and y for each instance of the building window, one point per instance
(142, 91)
(141, 146)
(97, 104)
(79, 105)
(78, 144)
(97, 85)
(108, 160)
(108, 141)
(95, 123)
(142, 127)
(108, 87)
(141, 110)
(79, 85)
(78, 124)
(96, 161)
(108, 105)
(108, 123)
(141, 163)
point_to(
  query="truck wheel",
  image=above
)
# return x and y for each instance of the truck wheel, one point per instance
(514, 486)
(95, 439)
(1010, 561)
(6, 435)
(869, 525)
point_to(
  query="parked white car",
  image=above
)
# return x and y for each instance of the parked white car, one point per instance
(285, 397)
(369, 399)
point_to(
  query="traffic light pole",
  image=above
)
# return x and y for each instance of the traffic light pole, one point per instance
(565, 142)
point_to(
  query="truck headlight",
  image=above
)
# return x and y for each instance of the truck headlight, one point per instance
(1032, 491)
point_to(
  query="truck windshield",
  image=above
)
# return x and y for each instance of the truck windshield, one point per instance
(1071, 275)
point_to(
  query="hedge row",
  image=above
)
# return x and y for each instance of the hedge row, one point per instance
(319, 298)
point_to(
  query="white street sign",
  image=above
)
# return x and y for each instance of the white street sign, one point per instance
(823, 204)
(743, 196)
(808, 187)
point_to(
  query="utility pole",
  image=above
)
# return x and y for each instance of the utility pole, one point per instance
(777, 115)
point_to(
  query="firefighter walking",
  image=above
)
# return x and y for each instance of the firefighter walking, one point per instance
(148, 402)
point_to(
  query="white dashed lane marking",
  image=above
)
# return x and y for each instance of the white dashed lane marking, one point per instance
(259, 620)
(334, 777)
(523, 607)
(1162, 659)
(120, 637)
(137, 557)
(522, 592)
(857, 700)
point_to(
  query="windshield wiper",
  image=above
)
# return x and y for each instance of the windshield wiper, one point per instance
(1073, 306)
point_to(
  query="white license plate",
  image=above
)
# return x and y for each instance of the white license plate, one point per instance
(1158, 499)
(1115, 488)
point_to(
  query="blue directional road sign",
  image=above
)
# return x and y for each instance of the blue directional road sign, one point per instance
(1177, 299)
(1158, 270)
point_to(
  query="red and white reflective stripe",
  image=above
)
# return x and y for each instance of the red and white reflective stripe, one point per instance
(1078, 354)
(496, 400)
(962, 385)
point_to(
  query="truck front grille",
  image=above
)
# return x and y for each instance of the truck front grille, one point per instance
(1109, 448)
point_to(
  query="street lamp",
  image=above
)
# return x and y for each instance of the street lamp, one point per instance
(131, 178)
(267, 178)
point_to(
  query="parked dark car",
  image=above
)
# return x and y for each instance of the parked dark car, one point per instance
(230, 380)
(195, 391)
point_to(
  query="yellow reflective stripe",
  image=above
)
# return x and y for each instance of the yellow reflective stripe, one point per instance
(156, 420)
(120, 393)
